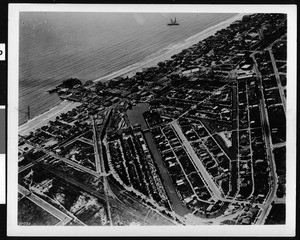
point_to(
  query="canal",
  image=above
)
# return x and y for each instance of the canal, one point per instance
(135, 114)
(167, 182)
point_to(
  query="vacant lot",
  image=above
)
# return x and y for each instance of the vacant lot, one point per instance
(31, 214)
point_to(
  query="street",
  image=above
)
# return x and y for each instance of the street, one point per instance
(208, 179)
(64, 219)
(269, 147)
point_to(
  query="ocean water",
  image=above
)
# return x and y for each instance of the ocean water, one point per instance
(56, 46)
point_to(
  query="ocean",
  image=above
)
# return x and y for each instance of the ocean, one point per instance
(54, 46)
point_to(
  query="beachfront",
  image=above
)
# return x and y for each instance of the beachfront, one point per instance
(44, 118)
(154, 59)
(129, 71)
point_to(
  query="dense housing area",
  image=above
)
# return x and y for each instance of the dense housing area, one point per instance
(197, 139)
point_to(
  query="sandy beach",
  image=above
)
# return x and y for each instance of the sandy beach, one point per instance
(129, 71)
(153, 60)
(45, 117)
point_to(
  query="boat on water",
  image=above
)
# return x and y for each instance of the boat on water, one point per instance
(173, 23)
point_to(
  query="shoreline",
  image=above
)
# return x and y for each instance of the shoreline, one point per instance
(42, 119)
(130, 71)
(175, 48)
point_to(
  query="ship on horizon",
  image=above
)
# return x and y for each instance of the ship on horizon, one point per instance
(172, 23)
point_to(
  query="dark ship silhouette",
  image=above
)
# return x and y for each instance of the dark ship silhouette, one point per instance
(173, 23)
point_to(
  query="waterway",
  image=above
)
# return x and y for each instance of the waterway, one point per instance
(167, 182)
(135, 114)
